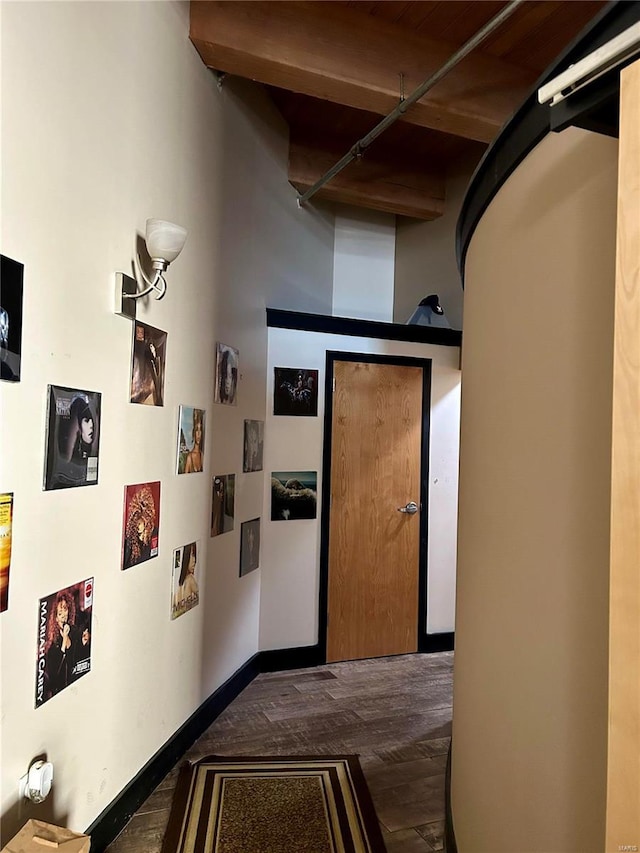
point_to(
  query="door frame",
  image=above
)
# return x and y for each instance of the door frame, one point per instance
(406, 361)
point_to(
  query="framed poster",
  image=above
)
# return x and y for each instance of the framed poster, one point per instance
(11, 285)
(64, 639)
(148, 365)
(295, 392)
(249, 546)
(72, 439)
(223, 503)
(184, 586)
(141, 524)
(190, 455)
(253, 446)
(293, 495)
(226, 381)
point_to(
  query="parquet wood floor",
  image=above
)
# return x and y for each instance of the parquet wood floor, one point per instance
(394, 712)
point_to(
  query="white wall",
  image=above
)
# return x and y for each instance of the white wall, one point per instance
(363, 272)
(291, 550)
(426, 255)
(108, 117)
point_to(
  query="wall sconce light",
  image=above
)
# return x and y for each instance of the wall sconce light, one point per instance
(164, 243)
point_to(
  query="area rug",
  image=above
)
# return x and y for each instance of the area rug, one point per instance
(300, 804)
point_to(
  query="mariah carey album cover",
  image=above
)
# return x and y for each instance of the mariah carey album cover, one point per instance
(64, 639)
(190, 457)
(6, 525)
(148, 365)
(185, 593)
(73, 438)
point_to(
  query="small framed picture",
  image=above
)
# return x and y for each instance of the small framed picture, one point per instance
(295, 392)
(253, 446)
(190, 456)
(73, 438)
(249, 546)
(222, 503)
(226, 386)
(185, 593)
(147, 365)
(293, 495)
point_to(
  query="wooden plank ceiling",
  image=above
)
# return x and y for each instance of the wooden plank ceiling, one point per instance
(335, 67)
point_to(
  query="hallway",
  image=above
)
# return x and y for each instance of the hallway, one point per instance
(394, 712)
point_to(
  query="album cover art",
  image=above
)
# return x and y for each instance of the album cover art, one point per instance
(73, 438)
(249, 546)
(184, 584)
(222, 503)
(141, 523)
(11, 285)
(253, 446)
(64, 639)
(6, 525)
(190, 440)
(148, 365)
(295, 391)
(293, 495)
(226, 383)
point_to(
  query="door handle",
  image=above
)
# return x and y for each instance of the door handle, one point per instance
(411, 508)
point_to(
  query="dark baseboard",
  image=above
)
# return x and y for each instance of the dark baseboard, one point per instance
(108, 825)
(436, 642)
(276, 660)
(450, 845)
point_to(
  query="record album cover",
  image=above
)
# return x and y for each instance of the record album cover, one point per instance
(253, 446)
(295, 391)
(148, 365)
(141, 523)
(226, 382)
(11, 284)
(249, 546)
(73, 438)
(64, 639)
(6, 526)
(190, 457)
(222, 503)
(293, 495)
(184, 584)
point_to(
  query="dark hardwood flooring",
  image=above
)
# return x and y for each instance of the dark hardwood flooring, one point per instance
(394, 712)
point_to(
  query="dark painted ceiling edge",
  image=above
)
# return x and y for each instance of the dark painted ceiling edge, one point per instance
(531, 123)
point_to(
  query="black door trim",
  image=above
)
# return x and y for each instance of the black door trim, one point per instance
(426, 364)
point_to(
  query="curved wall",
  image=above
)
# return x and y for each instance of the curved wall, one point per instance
(530, 687)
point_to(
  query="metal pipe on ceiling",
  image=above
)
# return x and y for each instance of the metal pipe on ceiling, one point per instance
(362, 144)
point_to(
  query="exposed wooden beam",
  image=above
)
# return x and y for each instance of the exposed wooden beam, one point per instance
(338, 54)
(373, 183)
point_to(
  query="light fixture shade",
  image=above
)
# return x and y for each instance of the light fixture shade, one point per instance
(164, 239)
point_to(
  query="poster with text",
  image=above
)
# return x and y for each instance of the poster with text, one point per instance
(226, 382)
(141, 525)
(253, 446)
(190, 456)
(148, 365)
(73, 438)
(293, 495)
(64, 639)
(249, 546)
(6, 525)
(222, 503)
(11, 284)
(295, 391)
(184, 584)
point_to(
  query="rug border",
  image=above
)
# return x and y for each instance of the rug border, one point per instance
(370, 820)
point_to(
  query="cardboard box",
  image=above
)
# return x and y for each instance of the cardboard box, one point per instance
(36, 836)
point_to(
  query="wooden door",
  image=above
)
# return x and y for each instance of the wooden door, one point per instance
(374, 550)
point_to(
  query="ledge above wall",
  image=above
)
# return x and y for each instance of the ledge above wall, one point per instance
(329, 325)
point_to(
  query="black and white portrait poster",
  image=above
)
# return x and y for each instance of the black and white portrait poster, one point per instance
(295, 392)
(249, 546)
(64, 639)
(293, 495)
(73, 438)
(11, 284)
(226, 385)
(148, 365)
(253, 446)
(223, 503)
